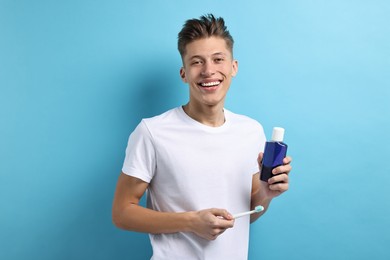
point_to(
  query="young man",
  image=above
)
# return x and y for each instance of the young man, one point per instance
(199, 162)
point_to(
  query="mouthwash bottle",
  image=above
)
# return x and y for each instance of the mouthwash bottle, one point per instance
(274, 153)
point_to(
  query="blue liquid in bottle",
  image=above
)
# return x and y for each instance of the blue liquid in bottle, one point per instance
(274, 153)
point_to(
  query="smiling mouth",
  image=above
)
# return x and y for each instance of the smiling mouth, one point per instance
(210, 84)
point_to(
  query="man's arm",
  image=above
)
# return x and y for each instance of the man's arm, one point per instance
(128, 214)
(263, 192)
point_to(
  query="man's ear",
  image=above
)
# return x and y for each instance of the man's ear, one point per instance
(235, 68)
(183, 75)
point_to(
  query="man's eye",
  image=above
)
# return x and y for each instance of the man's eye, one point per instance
(219, 60)
(196, 62)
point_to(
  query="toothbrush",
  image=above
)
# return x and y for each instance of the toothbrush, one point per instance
(256, 210)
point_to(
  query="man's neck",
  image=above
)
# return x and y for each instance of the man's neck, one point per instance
(210, 115)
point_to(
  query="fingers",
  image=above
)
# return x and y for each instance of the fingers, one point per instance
(221, 213)
(287, 160)
(282, 169)
(285, 168)
(222, 219)
(279, 183)
(213, 222)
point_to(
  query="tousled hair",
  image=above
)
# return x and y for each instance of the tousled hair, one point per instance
(204, 27)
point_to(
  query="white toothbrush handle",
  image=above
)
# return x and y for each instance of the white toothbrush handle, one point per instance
(239, 215)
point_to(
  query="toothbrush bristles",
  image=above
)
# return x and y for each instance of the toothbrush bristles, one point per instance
(256, 210)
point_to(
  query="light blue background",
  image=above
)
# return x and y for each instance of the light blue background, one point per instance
(77, 76)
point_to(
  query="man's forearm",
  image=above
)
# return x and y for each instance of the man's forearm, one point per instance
(140, 219)
(258, 197)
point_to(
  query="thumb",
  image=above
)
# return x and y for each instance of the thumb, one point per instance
(260, 158)
(222, 213)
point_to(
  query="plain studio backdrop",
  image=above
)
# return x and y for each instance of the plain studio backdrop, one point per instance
(76, 77)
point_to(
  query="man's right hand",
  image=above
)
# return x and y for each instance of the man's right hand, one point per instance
(210, 223)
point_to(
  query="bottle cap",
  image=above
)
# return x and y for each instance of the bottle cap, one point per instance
(278, 134)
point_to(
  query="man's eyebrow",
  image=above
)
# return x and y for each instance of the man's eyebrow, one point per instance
(196, 57)
(214, 54)
(219, 53)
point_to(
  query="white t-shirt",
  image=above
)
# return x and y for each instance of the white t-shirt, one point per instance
(190, 166)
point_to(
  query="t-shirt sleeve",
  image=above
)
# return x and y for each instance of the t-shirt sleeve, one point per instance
(140, 160)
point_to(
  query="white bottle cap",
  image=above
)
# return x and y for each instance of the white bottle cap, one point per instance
(278, 134)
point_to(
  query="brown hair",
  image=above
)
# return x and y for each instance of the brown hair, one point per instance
(205, 26)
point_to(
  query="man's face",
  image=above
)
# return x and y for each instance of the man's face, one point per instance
(208, 68)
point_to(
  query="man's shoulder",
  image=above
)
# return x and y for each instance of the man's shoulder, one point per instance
(242, 119)
(168, 117)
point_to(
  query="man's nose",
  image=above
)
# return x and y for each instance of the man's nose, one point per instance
(208, 69)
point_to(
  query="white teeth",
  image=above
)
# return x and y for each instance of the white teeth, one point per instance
(209, 84)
